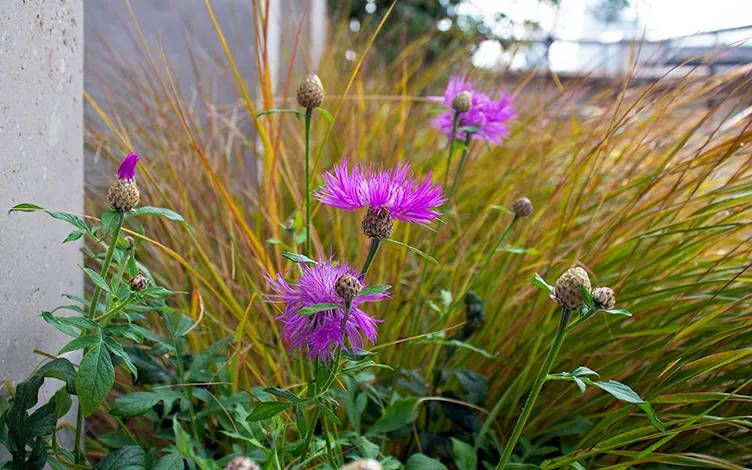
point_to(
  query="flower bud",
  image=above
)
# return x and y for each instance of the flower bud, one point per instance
(138, 282)
(365, 464)
(130, 241)
(311, 92)
(522, 207)
(462, 102)
(242, 463)
(568, 288)
(123, 195)
(347, 287)
(378, 225)
(604, 298)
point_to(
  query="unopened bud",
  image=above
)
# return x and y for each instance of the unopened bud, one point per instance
(568, 288)
(242, 463)
(123, 195)
(462, 102)
(138, 283)
(604, 298)
(347, 287)
(365, 464)
(522, 207)
(311, 92)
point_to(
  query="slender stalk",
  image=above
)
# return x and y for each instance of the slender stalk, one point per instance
(329, 454)
(309, 433)
(451, 148)
(424, 271)
(92, 314)
(308, 116)
(537, 386)
(375, 244)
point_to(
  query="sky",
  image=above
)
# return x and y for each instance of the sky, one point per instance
(662, 18)
(573, 20)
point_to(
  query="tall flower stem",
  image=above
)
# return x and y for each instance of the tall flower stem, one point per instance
(463, 159)
(424, 271)
(372, 250)
(537, 386)
(92, 314)
(308, 116)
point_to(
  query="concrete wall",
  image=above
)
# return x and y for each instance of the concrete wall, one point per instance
(41, 161)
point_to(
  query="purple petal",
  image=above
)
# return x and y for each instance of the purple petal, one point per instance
(127, 169)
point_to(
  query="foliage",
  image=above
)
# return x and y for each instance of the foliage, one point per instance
(643, 185)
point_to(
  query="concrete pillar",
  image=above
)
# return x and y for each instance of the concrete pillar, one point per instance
(41, 161)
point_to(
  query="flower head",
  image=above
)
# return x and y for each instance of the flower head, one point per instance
(487, 115)
(323, 333)
(311, 92)
(138, 282)
(604, 297)
(242, 463)
(127, 169)
(395, 192)
(568, 288)
(522, 207)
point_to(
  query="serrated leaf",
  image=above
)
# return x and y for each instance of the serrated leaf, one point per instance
(95, 378)
(81, 342)
(118, 350)
(74, 235)
(96, 279)
(413, 249)
(109, 220)
(170, 461)
(539, 282)
(269, 409)
(134, 404)
(79, 322)
(127, 458)
(373, 290)
(167, 213)
(312, 309)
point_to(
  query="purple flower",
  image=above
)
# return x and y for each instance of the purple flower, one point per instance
(127, 169)
(489, 116)
(396, 191)
(322, 333)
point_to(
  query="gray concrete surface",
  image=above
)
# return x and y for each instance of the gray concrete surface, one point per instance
(41, 161)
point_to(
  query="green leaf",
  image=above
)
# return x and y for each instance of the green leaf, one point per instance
(434, 339)
(626, 394)
(373, 290)
(519, 249)
(328, 414)
(398, 414)
(300, 420)
(167, 213)
(134, 404)
(423, 462)
(539, 282)
(52, 320)
(326, 114)
(413, 249)
(276, 391)
(580, 384)
(364, 365)
(469, 129)
(269, 409)
(618, 311)
(79, 322)
(95, 378)
(502, 209)
(96, 279)
(582, 370)
(159, 292)
(118, 350)
(109, 220)
(81, 342)
(521, 466)
(74, 235)
(587, 297)
(170, 461)
(278, 111)
(308, 311)
(182, 439)
(297, 258)
(464, 455)
(70, 218)
(127, 458)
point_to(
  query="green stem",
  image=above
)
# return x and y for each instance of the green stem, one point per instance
(92, 314)
(451, 149)
(375, 244)
(329, 454)
(308, 115)
(561, 332)
(189, 389)
(463, 158)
